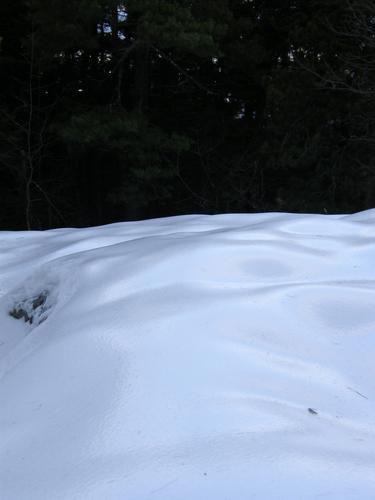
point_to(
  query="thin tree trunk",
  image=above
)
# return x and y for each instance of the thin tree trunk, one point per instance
(141, 79)
(29, 153)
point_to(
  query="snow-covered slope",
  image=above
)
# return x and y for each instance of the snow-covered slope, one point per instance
(190, 358)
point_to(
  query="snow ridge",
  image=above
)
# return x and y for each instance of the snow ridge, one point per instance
(195, 357)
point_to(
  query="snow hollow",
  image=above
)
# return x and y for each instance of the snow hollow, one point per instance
(225, 357)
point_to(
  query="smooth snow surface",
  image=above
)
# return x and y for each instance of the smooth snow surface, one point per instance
(190, 358)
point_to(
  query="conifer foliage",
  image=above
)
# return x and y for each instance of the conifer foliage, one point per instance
(125, 110)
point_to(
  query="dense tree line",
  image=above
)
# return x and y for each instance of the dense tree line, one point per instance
(125, 110)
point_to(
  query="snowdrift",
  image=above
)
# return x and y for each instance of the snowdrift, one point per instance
(189, 358)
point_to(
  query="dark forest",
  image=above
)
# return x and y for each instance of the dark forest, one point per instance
(114, 111)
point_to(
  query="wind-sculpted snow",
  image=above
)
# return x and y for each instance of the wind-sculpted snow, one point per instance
(190, 358)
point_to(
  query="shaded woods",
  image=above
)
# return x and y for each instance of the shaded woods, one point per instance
(117, 111)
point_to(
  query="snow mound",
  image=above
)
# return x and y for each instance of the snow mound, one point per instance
(195, 357)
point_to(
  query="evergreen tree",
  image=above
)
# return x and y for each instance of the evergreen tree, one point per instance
(116, 110)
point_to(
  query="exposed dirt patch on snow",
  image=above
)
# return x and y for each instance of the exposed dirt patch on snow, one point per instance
(33, 310)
